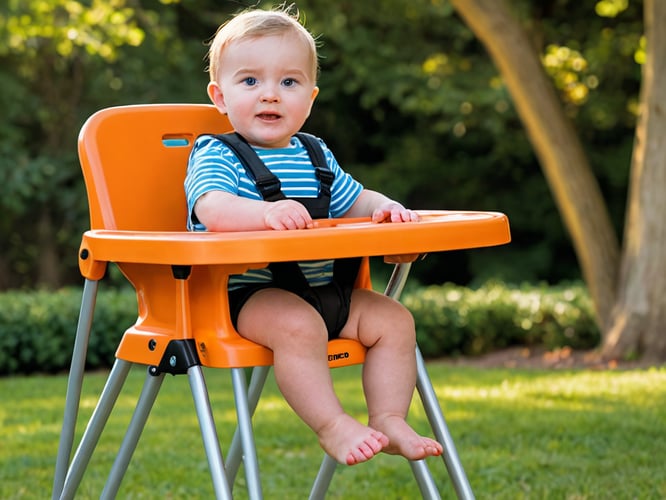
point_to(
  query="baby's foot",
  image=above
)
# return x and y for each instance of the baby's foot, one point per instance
(403, 440)
(350, 442)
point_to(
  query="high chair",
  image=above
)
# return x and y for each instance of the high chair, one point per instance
(134, 160)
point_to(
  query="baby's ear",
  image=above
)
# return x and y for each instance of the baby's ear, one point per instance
(216, 96)
(315, 91)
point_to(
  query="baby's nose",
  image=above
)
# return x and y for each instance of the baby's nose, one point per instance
(269, 95)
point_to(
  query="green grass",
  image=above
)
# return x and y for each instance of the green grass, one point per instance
(520, 434)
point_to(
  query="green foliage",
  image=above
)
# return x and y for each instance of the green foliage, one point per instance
(454, 320)
(410, 103)
(37, 329)
(97, 29)
(60, 61)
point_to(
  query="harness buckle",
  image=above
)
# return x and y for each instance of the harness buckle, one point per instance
(326, 178)
(270, 188)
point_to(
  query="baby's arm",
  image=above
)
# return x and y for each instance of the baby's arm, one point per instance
(380, 208)
(220, 211)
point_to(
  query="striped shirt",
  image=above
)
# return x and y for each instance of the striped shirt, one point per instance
(214, 167)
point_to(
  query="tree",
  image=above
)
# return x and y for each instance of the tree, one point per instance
(410, 102)
(53, 47)
(401, 105)
(638, 323)
(61, 60)
(627, 289)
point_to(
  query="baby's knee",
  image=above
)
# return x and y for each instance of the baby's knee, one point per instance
(400, 316)
(397, 321)
(303, 325)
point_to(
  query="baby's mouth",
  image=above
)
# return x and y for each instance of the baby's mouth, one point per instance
(268, 116)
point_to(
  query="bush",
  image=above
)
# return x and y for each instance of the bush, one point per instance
(37, 328)
(453, 320)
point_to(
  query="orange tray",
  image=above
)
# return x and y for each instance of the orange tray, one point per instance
(333, 238)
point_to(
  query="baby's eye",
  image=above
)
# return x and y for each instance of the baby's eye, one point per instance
(250, 80)
(289, 82)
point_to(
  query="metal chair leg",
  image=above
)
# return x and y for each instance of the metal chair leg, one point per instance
(250, 460)
(422, 474)
(209, 433)
(441, 430)
(74, 384)
(95, 426)
(234, 455)
(142, 410)
(431, 404)
(424, 480)
(323, 479)
(397, 280)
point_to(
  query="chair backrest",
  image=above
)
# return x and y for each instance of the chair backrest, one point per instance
(134, 160)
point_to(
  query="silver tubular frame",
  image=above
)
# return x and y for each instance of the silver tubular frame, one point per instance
(68, 475)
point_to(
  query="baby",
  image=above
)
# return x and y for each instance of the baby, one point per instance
(263, 76)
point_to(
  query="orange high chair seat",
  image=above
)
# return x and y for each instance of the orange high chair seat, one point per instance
(134, 160)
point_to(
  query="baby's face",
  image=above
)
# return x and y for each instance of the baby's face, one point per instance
(266, 86)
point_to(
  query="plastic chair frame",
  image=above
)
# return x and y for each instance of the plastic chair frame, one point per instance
(155, 253)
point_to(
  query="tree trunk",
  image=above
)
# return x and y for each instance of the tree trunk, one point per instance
(556, 144)
(639, 318)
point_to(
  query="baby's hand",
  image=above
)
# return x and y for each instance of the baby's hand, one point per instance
(287, 214)
(393, 211)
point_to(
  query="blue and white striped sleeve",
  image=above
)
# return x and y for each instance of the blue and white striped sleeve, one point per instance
(211, 167)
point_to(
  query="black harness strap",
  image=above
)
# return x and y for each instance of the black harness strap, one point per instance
(332, 300)
(323, 173)
(267, 183)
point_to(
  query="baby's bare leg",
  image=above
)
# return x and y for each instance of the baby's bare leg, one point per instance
(389, 372)
(297, 335)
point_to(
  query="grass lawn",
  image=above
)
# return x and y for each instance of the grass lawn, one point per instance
(520, 434)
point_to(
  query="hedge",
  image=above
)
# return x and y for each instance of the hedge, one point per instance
(453, 320)
(37, 328)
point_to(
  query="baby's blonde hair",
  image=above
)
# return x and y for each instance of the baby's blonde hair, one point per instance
(257, 23)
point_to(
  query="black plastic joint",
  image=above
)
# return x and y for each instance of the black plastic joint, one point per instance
(325, 175)
(179, 356)
(270, 188)
(181, 272)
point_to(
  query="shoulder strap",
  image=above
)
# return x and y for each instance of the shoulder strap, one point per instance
(318, 159)
(267, 183)
(312, 146)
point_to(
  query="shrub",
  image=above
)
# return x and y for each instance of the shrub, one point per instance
(455, 320)
(37, 328)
